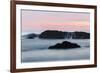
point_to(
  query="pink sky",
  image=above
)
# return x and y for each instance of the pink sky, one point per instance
(39, 21)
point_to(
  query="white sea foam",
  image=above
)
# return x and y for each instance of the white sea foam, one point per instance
(36, 50)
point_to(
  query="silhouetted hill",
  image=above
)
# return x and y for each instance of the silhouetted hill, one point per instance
(30, 36)
(54, 34)
(81, 35)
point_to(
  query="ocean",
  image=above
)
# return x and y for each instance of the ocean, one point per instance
(36, 50)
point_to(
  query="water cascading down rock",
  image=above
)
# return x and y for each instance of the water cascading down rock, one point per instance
(54, 34)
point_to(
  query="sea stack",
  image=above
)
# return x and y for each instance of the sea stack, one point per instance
(64, 45)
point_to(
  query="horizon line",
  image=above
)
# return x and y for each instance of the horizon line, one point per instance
(23, 33)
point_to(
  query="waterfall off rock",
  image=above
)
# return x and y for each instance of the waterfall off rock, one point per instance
(55, 34)
(70, 35)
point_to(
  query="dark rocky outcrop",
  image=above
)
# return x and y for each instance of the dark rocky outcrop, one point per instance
(64, 45)
(81, 35)
(30, 36)
(53, 34)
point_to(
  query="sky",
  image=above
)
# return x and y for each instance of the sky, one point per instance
(35, 21)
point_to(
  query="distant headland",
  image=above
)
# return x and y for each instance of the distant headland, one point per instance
(55, 34)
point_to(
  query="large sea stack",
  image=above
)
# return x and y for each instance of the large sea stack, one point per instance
(54, 34)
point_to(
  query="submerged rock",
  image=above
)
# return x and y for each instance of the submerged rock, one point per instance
(64, 45)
